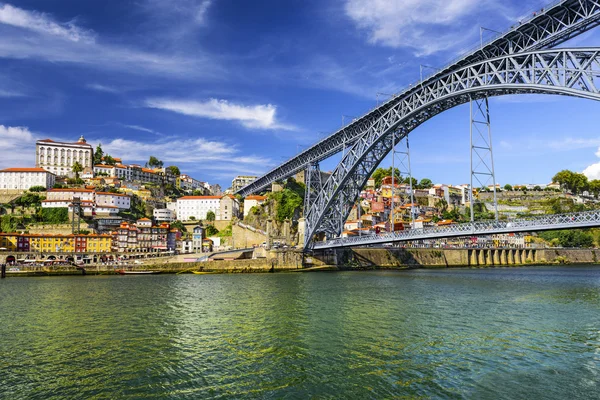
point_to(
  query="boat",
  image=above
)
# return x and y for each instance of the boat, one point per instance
(202, 272)
(124, 272)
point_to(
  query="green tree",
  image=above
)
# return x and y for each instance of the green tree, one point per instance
(594, 187)
(174, 170)
(178, 225)
(425, 183)
(98, 154)
(508, 188)
(381, 173)
(37, 189)
(192, 218)
(108, 160)
(55, 215)
(570, 237)
(573, 182)
(408, 180)
(210, 216)
(211, 230)
(77, 169)
(154, 162)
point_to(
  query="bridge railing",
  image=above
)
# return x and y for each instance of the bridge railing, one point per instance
(547, 222)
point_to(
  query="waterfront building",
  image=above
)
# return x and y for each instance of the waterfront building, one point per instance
(142, 236)
(59, 157)
(197, 238)
(56, 243)
(163, 215)
(186, 182)
(240, 181)
(17, 180)
(252, 201)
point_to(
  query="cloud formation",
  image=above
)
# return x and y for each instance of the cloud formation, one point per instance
(427, 26)
(54, 42)
(42, 23)
(17, 146)
(261, 116)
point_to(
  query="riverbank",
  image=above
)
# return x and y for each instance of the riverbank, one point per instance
(343, 259)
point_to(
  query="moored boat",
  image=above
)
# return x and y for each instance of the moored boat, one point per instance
(125, 272)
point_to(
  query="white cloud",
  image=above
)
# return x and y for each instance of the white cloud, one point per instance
(42, 23)
(592, 171)
(10, 93)
(139, 128)
(51, 41)
(427, 26)
(17, 146)
(260, 116)
(200, 12)
(102, 88)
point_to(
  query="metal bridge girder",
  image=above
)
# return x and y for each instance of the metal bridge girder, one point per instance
(554, 25)
(574, 72)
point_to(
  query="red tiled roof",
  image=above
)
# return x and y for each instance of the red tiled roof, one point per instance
(52, 141)
(200, 198)
(256, 197)
(112, 194)
(24, 170)
(72, 190)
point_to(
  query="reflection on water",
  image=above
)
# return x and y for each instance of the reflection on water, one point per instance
(497, 333)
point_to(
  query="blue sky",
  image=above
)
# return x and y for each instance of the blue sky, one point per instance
(222, 87)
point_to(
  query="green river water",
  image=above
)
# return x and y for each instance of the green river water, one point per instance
(521, 333)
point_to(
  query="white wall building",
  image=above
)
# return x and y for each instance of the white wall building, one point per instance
(21, 179)
(251, 201)
(164, 215)
(197, 207)
(121, 201)
(92, 202)
(59, 157)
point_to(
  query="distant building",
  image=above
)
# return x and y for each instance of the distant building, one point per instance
(163, 215)
(92, 202)
(20, 179)
(197, 238)
(56, 243)
(59, 157)
(240, 181)
(252, 201)
(198, 207)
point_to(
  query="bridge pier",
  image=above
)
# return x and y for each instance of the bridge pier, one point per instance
(496, 257)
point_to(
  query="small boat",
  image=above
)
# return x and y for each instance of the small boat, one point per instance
(202, 272)
(124, 272)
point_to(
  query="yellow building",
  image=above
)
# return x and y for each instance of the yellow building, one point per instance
(56, 243)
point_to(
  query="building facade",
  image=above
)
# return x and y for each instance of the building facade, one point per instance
(252, 201)
(197, 207)
(240, 181)
(142, 236)
(59, 157)
(229, 208)
(13, 180)
(56, 243)
(163, 215)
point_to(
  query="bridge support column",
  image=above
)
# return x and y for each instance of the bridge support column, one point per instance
(511, 257)
(286, 231)
(496, 257)
(481, 257)
(518, 259)
(482, 155)
(269, 240)
(301, 231)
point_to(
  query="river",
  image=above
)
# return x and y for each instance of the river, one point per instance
(498, 333)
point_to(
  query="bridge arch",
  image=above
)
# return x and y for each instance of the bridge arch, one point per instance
(571, 72)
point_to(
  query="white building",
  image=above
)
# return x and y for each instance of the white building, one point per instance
(198, 207)
(252, 201)
(59, 157)
(229, 208)
(164, 215)
(240, 181)
(91, 202)
(21, 179)
(121, 201)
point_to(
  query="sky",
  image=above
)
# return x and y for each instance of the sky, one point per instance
(223, 88)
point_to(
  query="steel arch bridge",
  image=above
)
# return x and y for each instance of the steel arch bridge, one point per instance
(512, 63)
(572, 72)
(555, 24)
